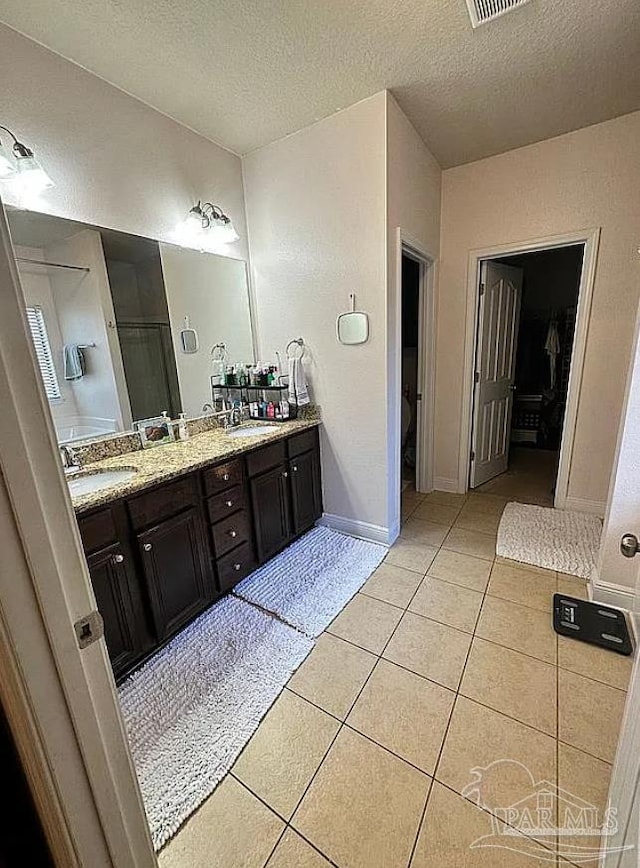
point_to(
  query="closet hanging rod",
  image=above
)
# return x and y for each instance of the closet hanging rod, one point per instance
(53, 264)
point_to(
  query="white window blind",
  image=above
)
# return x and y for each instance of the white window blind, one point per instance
(40, 338)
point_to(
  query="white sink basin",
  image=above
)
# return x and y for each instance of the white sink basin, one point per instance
(87, 482)
(250, 430)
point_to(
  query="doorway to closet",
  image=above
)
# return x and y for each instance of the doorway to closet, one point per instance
(526, 326)
(411, 396)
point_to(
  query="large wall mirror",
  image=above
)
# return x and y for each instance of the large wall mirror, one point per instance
(108, 312)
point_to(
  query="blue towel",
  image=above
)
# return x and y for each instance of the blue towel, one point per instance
(74, 364)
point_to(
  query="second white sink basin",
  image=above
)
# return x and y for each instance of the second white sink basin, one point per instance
(250, 430)
(86, 482)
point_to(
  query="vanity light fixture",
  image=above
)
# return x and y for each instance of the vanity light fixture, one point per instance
(22, 169)
(206, 225)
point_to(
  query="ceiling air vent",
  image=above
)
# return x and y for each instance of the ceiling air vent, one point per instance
(482, 11)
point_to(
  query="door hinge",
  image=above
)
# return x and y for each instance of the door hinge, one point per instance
(419, 396)
(482, 289)
(476, 377)
(89, 629)
(472, 455)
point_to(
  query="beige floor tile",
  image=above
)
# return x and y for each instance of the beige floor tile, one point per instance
(405, 713)
(524, 586)
(233, 808)
(518, 627)
(512, 683)
(583, 777)
(333, 674)
(437, 513)
(425, 532)
(478, 519)
(573, 586)
(411, 497)
(488, 502)
(285, 751)
(411, 555)
(470, 542)
(366, 622)
(436, 651)
(364, 805)
(447, 603)
(294, 852)
(593, 662)
(392, 584)
(452, 824)
(589, 714)
(460, 569)
(479, 737)
(446, 498)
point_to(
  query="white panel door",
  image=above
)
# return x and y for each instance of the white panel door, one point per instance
(498, 319)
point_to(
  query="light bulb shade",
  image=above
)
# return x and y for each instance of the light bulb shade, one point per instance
(30, 177)
(223, 231)
(7, 165)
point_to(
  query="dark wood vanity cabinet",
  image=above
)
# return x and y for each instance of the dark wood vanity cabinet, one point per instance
(159, 558)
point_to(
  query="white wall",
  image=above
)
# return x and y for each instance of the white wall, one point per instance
(116, 162)
(316, 214)
(212, 291)
(413, 206)
(583, 180)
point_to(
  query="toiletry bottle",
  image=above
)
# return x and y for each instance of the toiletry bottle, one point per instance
(183, 431)
(271, 412)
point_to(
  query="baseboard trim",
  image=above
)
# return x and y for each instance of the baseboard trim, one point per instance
(579, 504)
(360, 529)
(440, 483)
(610, 594)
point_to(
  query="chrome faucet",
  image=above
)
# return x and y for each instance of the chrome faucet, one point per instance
(70, 459)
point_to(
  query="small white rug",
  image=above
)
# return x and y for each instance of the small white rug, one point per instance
(191, 709)
(310, 582)
(555, 539)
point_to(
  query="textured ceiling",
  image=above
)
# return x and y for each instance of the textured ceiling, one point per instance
(247, 73)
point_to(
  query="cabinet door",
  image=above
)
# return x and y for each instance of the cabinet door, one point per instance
(111, 577)
(270, 502)
(176, 565)
(306, 500)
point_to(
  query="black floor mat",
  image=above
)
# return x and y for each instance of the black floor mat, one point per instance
(591, 622)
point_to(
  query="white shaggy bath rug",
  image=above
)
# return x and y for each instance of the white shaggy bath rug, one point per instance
(191, 709)
(309, 583)
(552, 538)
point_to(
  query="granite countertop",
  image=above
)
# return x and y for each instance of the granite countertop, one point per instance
(170, 460)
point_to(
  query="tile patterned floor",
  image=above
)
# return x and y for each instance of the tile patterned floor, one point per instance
(362, 760)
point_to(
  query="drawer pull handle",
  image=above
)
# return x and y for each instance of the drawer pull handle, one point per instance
(232, 533)
(229, 503)
(147, 547)
(226, 477)
(118, 559)
(236, 567)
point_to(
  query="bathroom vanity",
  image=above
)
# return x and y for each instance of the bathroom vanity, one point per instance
(194, 520)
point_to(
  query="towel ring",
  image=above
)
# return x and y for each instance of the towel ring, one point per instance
(296, 342)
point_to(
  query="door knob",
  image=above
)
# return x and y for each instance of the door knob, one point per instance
(147, 547)
(629, 545)
(118, 559)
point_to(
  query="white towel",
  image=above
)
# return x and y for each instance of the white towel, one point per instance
(74, 363)
(552, 347)
(298, 392)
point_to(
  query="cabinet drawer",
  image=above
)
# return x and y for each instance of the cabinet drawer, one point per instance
(223, 505)
(302, 442)
(265, 458)
(163, 502)
(97, 530)
(236, 566)
(230, 532)
(223, 476)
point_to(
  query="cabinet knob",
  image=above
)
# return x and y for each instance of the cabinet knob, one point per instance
(118, 559)
(229, 503)
(147, 547)
(233, 533)
(226, 477)
(285, 474)
(236, 567)
(295, 468)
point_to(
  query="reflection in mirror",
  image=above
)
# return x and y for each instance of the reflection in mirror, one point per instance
(106, 311)
(353, 328)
